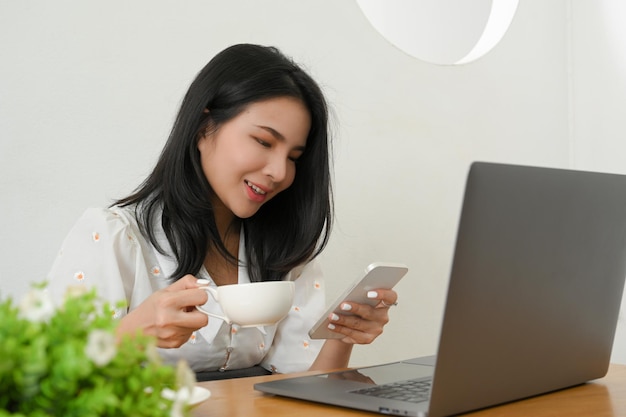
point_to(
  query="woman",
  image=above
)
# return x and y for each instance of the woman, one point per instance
(241, 193)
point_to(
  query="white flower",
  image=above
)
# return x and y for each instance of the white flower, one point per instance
(186, 381)
(37, 306)
(181, 398)
(100, 347)
(185, 377)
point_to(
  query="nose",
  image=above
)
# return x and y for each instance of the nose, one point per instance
(276, 168)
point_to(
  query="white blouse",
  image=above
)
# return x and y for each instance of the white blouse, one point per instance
(105, 249)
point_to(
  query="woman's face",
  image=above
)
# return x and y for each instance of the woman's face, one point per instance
(251, 158)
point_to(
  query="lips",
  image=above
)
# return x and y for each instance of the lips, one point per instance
(255, 188)
(255, 192)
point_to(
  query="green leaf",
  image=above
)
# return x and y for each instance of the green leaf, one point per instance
(45, 372)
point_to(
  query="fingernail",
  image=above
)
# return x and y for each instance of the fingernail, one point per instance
(202, 281)
(331, 326)
(334, 317)
(372, 294)
(346, 307)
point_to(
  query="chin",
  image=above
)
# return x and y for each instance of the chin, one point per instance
(246, 214)
(245, 211)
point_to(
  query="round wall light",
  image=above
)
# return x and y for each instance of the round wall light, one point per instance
(445, 32)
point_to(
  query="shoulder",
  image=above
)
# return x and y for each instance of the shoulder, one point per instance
(308, 270)
(309, 280)
(101, 215)
(98, 223)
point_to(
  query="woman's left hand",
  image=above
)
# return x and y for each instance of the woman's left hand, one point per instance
(365, 323)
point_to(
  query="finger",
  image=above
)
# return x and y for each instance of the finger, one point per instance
(173, 337)
(185, 299)
(185, 293)
(169, 299)
(386, 297)
(365, 311)
(366, 319)
(187, 282)
(353, 335)
(194, 319)
(170, 315)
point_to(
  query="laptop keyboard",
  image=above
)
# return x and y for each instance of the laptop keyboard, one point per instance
(412, 390)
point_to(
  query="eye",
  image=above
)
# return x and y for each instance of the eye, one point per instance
(262, 142)
(295, 158)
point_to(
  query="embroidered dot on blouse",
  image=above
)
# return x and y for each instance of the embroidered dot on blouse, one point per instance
(193, 338)
(305, 344)
(95, 236)
(80, 275)
(317, 285)
(296, 308)
(155, 270)
(262, 346)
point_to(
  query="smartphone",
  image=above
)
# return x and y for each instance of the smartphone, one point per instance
(378, 275)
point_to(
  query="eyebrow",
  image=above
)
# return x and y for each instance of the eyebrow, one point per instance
(279, 136)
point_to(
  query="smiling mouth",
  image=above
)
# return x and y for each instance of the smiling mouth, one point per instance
(254, 188)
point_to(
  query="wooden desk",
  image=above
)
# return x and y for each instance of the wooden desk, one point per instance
(604, 397)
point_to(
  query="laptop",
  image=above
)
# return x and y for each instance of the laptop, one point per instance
(533, 300)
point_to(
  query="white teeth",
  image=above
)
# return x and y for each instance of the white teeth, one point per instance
(255, 188)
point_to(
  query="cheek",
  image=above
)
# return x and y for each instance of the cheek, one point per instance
(289, 178)
(206, 149)
(226, 159)
(205, 163)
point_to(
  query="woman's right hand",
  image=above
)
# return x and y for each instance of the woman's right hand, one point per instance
(169, 314)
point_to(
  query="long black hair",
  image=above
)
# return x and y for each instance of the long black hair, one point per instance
(290, 229)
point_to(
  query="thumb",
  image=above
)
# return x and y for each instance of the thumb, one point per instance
(188, 282)
(186, 292)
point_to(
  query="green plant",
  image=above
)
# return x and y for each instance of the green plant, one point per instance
(67, 362)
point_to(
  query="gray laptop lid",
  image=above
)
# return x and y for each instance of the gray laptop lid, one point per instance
(533, 299)
(535, 288)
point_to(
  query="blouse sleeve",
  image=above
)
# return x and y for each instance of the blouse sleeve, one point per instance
(292, 349)
(100, 251)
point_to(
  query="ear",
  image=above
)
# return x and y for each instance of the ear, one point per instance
(204, 140)
(206, 137)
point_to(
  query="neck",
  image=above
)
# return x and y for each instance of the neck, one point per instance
(222, 270)
(224, 219)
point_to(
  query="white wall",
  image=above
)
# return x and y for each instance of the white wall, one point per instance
(598, 100)
(88, 91)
